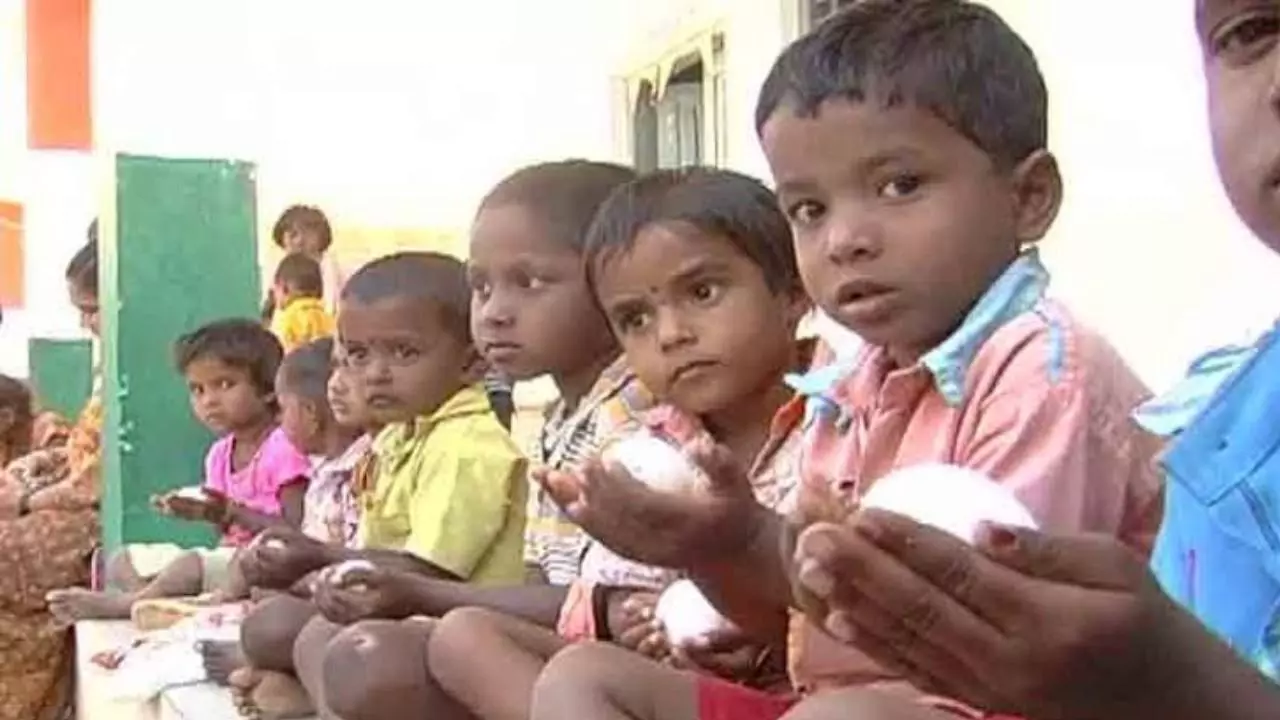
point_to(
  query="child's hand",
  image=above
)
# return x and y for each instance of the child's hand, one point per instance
(676, 530)
(1027, 624)
(211, 507)
(632, 625)
(360, 593)
(280, 556)
(727, 654)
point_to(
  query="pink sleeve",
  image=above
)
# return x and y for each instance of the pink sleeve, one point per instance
(1064, 442)
(217, 465)
(283, 465)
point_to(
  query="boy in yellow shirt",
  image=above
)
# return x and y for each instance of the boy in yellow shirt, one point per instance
(449, 492)
(301, 317)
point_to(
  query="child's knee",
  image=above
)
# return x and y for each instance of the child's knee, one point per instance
(456, 634)
(270, 630)
(370, 666)
(578, 672)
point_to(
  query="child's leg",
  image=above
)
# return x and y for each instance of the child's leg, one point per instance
(377, 670)
(865, 704)
(490, 662)
(607, 682)
(271, 629)
(181, 578)
(121, 575)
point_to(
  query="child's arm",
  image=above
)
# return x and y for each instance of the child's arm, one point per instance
(291, 498)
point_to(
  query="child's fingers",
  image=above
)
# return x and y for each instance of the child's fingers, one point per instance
(716, 462)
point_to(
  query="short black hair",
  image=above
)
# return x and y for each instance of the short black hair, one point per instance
(954, 58)
(564, 194)
(433, 277)
(718, 202)
(300, 273)
(82, 271)
(303, 218)
(16, 395)
(306, 370)
(237, 342)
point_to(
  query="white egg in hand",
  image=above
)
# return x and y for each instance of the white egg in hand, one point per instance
(195, 493)
(948, 497)
(654, 462)
(686, 614)
(339, 575)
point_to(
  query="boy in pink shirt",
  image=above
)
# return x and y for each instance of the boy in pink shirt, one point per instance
(908, 143)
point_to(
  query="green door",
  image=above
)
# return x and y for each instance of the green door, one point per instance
(178, 250)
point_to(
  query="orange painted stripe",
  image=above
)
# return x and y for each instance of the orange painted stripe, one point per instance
(11, 256)
(58, 110)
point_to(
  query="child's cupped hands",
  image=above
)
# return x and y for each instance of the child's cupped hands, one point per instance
(280, 556)
(685, 530)
(195, 505)
(1029, 624)
(357, 590)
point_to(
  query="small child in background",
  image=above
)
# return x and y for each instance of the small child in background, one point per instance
(305, 229)
(301, 316)
(254, 477)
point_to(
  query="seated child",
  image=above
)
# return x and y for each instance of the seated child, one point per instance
(696, 273)
(300, 315)
(532, 224)
(908, 143)
(305, 229)
(449, 492)
(254, 477)
(333, 433)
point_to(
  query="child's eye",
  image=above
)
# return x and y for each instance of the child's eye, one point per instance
(632, 322)
(530, 282)
(805, 212)
(404, 352)
(1246, 38)
(901, 186)
(706, 292)
(481, 288)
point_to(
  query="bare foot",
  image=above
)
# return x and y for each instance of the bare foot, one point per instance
(281, 697)
(221, 659)
(75, 604)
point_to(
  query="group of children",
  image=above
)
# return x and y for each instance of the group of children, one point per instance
(405, 561)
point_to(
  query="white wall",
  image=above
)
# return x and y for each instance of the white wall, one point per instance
(58, 199)
(1147, 248)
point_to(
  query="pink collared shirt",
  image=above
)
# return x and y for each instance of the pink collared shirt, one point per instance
(1045, 408)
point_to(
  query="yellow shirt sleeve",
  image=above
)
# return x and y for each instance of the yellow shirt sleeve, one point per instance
(458, 515)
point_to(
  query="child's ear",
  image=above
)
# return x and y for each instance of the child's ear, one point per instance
(798, 304)
(1037, 188)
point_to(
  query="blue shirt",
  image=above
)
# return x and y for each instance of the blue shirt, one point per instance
(1218, 552)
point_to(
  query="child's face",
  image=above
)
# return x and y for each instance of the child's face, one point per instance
(346, 400)
(224, 397)
(531, 310)
(1241, 60)
(305, 241)
(85, 303)
(901, 223)
(696, 320)
(301, 422)
(402, 354)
